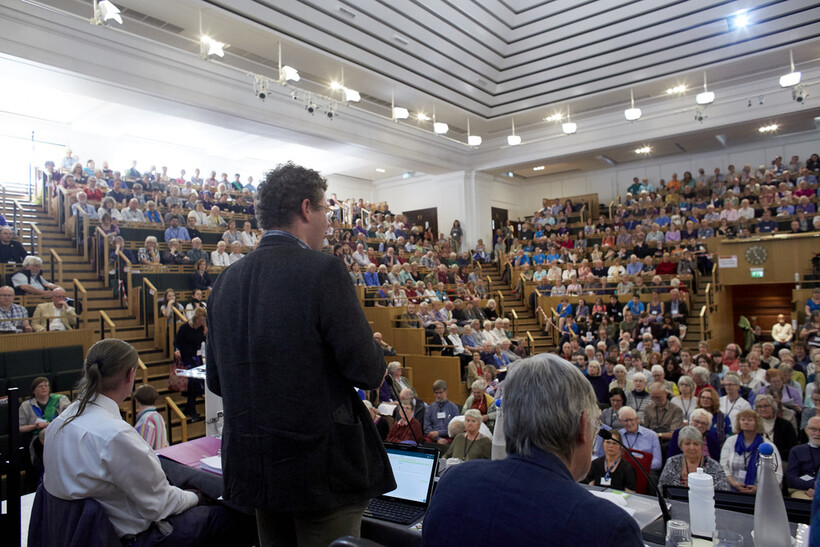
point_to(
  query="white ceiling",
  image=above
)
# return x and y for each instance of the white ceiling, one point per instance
(490, 60)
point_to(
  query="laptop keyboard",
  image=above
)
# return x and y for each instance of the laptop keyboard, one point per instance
(393, 511)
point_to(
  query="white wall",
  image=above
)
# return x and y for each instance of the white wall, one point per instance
(610, 182)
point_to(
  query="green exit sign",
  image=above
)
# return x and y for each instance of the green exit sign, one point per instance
(756, 272)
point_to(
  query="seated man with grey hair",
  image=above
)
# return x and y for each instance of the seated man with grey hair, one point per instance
(29, 280)
(534, 490)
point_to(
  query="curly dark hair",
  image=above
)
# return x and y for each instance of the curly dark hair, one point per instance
(280, 196)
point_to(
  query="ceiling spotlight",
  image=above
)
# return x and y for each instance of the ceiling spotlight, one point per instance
(472, 140)
(351, 95)
(768, 128)
(400, 113)
(209, 47)
(568, 127)
(643, 150)
(105, 11)
(799, 94)
(380, 170)
(739, 19)
(707, 97)
(336, 86)
(261, 87)
(677, 90)
(311, 107)
(513, 139)
(422, 117)
(288, 73)
(699, 116)
(557, 117)
(539, 168)
(331, 113)
(440, 128)
(632, 114)
(792, 78)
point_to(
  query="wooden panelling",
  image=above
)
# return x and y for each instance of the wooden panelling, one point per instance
(382, 318)
(427, 369)
(43, 340)
(788, 255)
(406, 340)
(722, 321)
(763, 302)
(799, 299)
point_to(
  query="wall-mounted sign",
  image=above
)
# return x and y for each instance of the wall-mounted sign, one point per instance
(727, 261)
(757, 273)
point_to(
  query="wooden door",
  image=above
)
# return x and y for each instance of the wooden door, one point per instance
(424, 218)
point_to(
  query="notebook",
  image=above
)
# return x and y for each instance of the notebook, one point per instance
(414, 468)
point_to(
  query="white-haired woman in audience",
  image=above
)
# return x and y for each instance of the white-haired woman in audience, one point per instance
(700, 419)
(621, 380)
(399, 382)
(220, 257)
(677, 468)
(610, 470)
(149, 254)
(480, 401)
(686, 400)
(236, 252)
(491, 311)
(471, 445)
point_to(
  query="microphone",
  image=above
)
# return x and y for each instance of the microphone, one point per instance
(389, 380)
(607, 436)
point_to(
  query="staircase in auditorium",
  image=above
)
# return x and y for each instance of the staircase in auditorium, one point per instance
(526, 320)
(101, 298)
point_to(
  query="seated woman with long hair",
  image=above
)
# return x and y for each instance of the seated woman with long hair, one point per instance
(91, 452)
(739, 454)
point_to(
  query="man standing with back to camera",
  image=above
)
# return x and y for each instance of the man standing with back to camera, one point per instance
(287, 343)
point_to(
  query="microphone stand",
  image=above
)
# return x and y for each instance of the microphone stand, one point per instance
(607, 436)
(389, 380)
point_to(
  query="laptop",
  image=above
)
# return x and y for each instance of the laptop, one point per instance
(414, 468)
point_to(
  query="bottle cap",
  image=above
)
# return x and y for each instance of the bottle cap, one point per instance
(700, 478)
(766, 449)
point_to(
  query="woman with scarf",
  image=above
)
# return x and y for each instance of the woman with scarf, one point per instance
(740, 453)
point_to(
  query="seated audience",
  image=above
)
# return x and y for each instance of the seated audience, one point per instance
(200, 279)
(54, 315)
(403, 430)
(10, 249)
(801, 472)
(438, 415)
(382, 427)
(29, 280)
(91, 452)
(637, 437)
(739, 454)
(610, 470)
(470, 445)
(14, 317)
(479, 400)
(220, 257)
(776, 430)
(701, 419)
(677, 468)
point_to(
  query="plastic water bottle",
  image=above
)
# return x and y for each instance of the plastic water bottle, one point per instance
(771, 522)
(701, 503)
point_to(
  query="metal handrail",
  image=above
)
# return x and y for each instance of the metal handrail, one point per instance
(715, 276)
(708, 295)
(500, 303)
(106, 321)
(54, 257)
(489, 284)
(4, 208)
(514, 315)
(704, 321)
(81, 295)
(530, 343)
(173, 409)
(121, 271)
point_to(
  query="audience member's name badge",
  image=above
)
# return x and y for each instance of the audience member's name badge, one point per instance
(441, 415)
(807, 477)
(606, 481)
(741, 475)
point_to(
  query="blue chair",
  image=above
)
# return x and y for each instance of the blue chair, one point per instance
(69, 523)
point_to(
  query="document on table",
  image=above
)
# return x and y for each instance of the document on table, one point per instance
(644, 510)
(212, 464)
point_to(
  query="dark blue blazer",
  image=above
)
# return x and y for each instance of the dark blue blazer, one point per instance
(522, 501)
(803, 460)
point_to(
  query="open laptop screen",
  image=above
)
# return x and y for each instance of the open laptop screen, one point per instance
(414, 469)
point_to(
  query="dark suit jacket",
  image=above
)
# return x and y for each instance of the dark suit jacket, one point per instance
(803, 460)
(287, 342)
(436, 340)
(534, 501)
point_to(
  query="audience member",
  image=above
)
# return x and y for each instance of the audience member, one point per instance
(150, 424)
